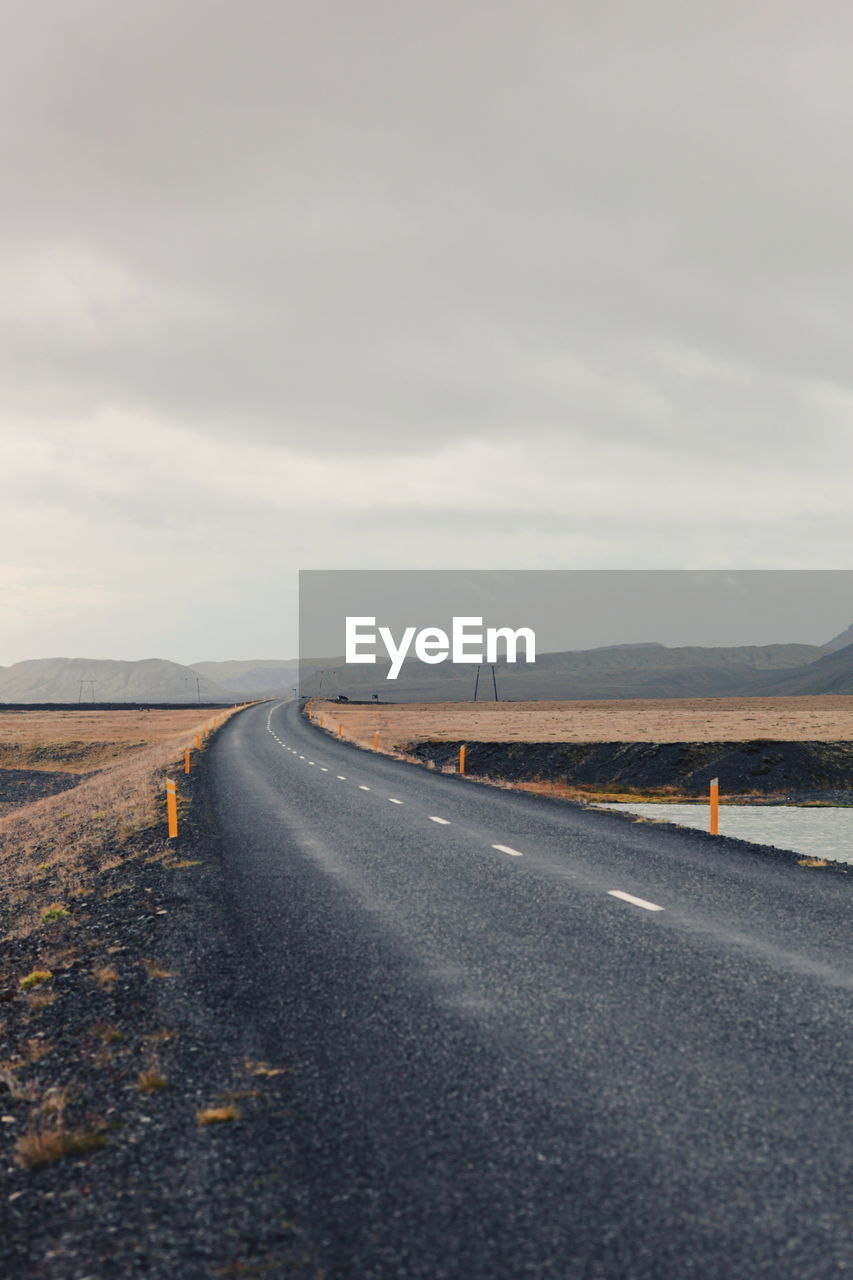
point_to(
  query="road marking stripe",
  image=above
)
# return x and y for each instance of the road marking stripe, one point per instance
(310, 761)
(504, 848)
(342, 777)
(301, 757)
(323, 769)
(362, 787)
(445, 822)
(638, 902)
(391, 800)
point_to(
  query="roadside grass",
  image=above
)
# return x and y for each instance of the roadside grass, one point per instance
(56, 911)
(79, 741)
(85, 1054)
(51, 848)
(217, 1115)
(151, 1081)
(45, 1145)
(263, 1069)
(34, 978)
(15, 1087)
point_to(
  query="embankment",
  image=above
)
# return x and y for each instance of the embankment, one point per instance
(760, 768)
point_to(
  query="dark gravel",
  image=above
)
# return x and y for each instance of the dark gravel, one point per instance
(22, 786)
(784, 770)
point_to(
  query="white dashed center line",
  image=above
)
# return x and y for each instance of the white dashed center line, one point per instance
(638, 902)
(445, 822)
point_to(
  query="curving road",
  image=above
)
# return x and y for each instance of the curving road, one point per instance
(530, 1040)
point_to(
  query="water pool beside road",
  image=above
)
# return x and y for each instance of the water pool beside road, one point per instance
(814, 832)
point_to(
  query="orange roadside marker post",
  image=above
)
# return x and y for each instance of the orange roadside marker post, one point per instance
(462, 754)
(715, 807)
(172, 807)
(376, 741)
(340, 730)
(198, 742)
(187, 760)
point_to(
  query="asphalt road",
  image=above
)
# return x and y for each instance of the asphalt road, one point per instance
(529, 1040)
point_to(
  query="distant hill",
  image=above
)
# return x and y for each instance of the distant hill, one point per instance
(256, 677)
(833, 673)
(841, 641)
(70, 679)
(617, 671)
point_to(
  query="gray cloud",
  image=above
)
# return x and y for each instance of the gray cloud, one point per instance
(377, 284)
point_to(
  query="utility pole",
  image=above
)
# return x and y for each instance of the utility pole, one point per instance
(494, 682)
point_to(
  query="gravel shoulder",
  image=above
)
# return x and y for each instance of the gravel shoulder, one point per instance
(116, 1053)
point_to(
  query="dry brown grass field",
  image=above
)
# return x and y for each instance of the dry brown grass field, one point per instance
(49, 846)
(77, 741)
(826, 718)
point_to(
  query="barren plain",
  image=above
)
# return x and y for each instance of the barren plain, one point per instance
(824, 718)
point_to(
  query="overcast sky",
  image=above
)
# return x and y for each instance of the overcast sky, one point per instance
(447, 284)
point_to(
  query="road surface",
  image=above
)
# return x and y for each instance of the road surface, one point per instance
(531, 1040)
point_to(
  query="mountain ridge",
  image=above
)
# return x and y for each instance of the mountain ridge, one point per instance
(69, 680)
(647, 670)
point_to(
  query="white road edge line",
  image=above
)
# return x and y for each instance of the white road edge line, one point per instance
(342, 777)
(362, 787)
(391, 800)
(638, 902)
(445, 822)
(504, 848)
